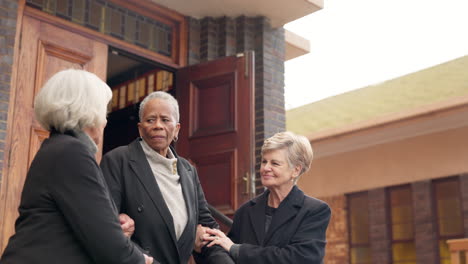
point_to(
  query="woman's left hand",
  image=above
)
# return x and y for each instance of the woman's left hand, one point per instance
(218, 238)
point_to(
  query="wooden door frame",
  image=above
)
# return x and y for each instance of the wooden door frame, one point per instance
(178, 60)
(11, 107)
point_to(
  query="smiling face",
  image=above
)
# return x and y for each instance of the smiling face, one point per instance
(276, 172)
(157, 126)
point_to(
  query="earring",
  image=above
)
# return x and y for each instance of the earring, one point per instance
(175, 139)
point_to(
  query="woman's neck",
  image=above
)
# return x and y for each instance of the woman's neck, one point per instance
(277, 195)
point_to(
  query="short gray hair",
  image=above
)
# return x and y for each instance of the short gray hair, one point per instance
(72, 100)
(163, 96)
(298, 149)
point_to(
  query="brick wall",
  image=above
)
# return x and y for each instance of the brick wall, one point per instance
(378, 226)
(212, 38)
(8, 14)
(464, 193)
(425, 229)
(337, 251)
(424, 226)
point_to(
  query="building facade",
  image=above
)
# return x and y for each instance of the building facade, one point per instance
(396, 179)
(226, 69)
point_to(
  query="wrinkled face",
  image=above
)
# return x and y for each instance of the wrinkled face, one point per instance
(158, 127)
(275, 170)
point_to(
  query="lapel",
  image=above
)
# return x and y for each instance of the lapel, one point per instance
(257, 216)
(187, 185)
(287, 210)
(142, 170)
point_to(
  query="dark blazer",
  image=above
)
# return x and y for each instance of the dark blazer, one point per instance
(296, 233)
(66, 214)
(136, 193)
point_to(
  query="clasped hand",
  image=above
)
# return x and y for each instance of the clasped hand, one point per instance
(206, 235)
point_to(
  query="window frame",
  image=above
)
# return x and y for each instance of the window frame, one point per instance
(350, 243)
(394, 241)
(435, 220)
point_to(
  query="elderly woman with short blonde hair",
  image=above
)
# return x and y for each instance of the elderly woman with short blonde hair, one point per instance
(66, 214)
(282, 225)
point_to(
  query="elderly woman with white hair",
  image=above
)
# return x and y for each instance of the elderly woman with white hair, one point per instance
(66, 214)
(282, 225)
(160, 190)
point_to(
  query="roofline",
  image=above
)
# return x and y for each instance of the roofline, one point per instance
(381, 122)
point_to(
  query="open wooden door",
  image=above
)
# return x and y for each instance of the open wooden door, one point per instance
(217, 133)
(45, 49)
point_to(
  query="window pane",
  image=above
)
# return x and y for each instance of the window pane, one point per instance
(62, 7)
(96, 14)
(78, 12)
(404, 252)
(401, 208)
(402, 231)
(449, 216)
(360, 255)
(359, 229)
(130, 27)
(359, 219)
(400, 196)
(116, 23)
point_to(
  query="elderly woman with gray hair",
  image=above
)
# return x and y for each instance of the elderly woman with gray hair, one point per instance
(66, 214)
(160, 190)
(282, 225)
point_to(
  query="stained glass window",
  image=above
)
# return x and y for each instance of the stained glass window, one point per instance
(111, 19)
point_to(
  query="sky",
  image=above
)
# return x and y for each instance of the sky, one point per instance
(363, 42)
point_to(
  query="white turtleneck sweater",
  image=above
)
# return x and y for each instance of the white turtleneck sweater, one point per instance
(165, 172)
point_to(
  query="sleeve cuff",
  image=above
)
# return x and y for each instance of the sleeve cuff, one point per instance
(234, 251)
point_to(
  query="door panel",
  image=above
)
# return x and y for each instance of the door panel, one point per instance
(213, 106)
(45, 49)
(216, 101)
(218, 190)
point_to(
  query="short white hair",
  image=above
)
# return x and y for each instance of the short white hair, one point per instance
(72, 100)
(163, 96)
(298, 149)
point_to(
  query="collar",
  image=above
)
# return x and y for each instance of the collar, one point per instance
(82, 137)
(154, 157)
(294, 197)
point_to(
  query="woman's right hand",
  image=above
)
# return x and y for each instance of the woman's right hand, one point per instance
(200, 238)
(148, 260)
(127, 224)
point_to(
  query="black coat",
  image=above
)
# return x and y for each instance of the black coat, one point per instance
(296, 233)
(66, 214)
(137, 194)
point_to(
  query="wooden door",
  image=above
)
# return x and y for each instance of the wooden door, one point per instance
(217, 128)
(45, 49)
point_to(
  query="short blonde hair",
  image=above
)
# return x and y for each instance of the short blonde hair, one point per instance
(298, 149)
(72, 100)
